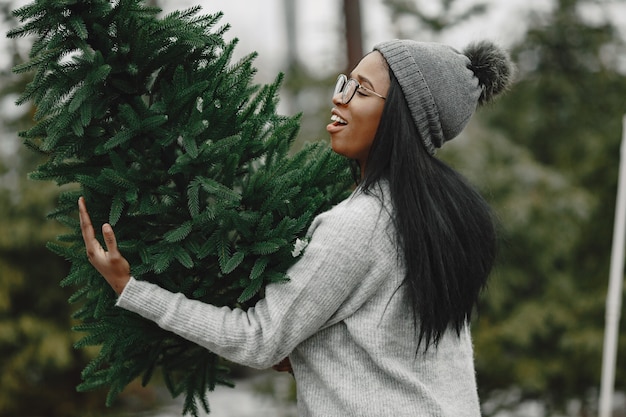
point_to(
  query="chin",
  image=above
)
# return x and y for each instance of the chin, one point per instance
(337, 149)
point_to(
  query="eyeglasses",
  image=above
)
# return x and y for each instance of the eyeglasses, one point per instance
(348, 88)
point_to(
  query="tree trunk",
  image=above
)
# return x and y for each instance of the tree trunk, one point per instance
(354, 41)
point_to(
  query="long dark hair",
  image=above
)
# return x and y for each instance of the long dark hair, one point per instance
(444, 227)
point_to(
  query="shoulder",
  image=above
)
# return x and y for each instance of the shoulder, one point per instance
(362, 214)
(359, 205)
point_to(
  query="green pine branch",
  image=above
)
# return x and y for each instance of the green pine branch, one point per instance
(173, 144)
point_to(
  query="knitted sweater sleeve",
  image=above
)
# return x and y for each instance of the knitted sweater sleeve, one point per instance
(334, 276)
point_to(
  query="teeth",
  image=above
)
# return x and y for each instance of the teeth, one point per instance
(337, 119)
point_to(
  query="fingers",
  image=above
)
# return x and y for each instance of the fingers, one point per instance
(109, 239)
(85, 222)
(92, 245)
(89, 235)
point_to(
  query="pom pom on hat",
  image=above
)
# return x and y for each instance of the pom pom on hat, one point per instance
(492, 66)
(442, 86)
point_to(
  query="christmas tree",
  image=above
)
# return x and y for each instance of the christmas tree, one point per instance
(177, 148)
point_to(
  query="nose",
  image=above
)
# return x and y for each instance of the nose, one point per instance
(337, 99)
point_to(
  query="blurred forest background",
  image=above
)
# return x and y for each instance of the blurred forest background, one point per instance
(546, 156)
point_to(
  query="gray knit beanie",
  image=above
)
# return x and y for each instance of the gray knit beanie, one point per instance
(442, 86)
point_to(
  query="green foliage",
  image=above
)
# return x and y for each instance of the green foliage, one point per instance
(39, 367)
(554, 183)
(447, 17)
(175, 146)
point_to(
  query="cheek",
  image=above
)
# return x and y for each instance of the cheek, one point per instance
(368, 124)
(363, 134)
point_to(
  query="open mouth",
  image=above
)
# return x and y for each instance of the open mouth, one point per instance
(338, 120)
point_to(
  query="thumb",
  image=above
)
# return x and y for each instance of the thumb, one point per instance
(109, 238)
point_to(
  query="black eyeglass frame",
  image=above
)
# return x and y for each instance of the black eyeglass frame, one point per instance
(341, 86)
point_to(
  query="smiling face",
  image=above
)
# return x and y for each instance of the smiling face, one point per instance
(355, 123)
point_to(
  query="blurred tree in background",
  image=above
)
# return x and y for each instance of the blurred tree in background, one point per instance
(546, 156)
(543, 324)
(411, 16)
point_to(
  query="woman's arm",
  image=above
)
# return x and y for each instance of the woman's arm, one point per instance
(339, 270)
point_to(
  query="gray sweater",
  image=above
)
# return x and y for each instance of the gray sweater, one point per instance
(342, 318)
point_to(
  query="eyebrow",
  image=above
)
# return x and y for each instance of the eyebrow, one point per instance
(364, 80)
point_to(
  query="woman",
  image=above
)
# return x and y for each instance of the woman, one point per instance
(375, 316)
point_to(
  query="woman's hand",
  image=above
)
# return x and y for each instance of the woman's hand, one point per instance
(112, 265)
(283, 366)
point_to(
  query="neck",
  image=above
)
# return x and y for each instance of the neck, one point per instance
(362, 169)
